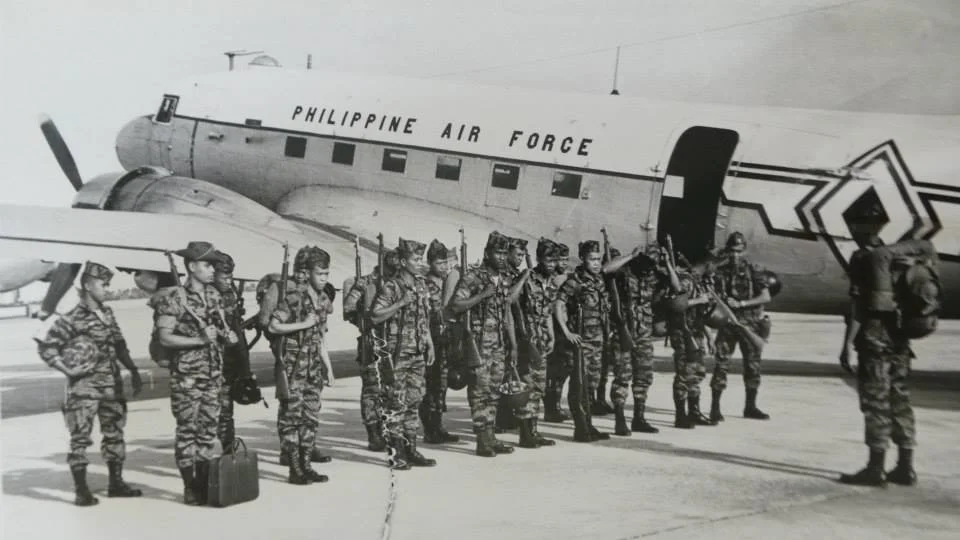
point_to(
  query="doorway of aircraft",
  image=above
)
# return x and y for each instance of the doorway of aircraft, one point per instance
(693, 187)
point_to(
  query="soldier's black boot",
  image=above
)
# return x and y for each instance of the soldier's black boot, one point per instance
(297, 475)
(681, 419)
(551, 407)
(750, 410)
(640, 423)
(484, 448)
(600, 406)
(375, 440)
(715, 415)
(581, 430)
(399, 459)
(414, 457)
(621, 422)
(695, 415)
(201, 481)
(498, 446)
(595, 434)
(426, 420)
(541, 440)
(189, 495)
(527, 439)
(441, 432)
(903, 474)
(82, 490)
(117, 487)
(872, 475)
(305, 458)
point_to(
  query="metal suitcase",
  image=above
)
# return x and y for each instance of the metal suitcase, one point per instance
(234, 478)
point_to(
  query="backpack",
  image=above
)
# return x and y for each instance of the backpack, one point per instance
(916, 290)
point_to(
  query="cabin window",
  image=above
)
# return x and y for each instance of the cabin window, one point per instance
(566, 185)
(448, 168)
(168, 107)
(253, 122)
(343, 153)
(394, 160)
(296, 147)
(505, 176)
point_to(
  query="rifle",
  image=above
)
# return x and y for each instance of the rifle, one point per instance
(621, 316)
(527, 352)
(362, 323)
(471, 355)
(279, 372)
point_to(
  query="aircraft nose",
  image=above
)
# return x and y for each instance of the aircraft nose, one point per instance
(132, 142)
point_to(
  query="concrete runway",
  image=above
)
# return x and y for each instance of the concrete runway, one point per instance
(742, 479)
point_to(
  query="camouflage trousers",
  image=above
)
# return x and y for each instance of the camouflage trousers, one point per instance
(557, 370)
(406, 393)
(195, 403)
(536, 376)
(79, 414)
(226, 429)
(728, 338)
(634, 366)
(688, 364)
(371, 400)
(592, 346)
(435, 396)
(882, 372)
(299, 416)
(483, 387)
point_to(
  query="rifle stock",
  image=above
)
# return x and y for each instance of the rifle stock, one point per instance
(471, 355)
(279, 372)
(731, 320)
(620, 314)
(362, 322)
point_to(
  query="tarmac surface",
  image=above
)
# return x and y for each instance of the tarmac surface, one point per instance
(742, 479)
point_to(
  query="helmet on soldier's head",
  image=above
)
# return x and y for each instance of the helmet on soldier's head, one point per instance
(225, 265)
(736, 240)
(80, 353)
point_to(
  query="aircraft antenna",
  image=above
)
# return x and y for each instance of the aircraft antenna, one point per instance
(616, 69)
(232, 54)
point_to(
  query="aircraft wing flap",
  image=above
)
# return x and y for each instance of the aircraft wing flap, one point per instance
(134, 239)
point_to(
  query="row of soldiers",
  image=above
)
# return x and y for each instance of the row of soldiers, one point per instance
(542, 325)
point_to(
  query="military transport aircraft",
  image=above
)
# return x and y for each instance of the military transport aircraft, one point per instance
(254, 159)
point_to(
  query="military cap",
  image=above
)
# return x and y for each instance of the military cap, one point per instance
(391, 259)
(614, 252)
(97, 271)
(199, 251)
(563, 250)
(317, 257)
(736, 239)
(518, 243)
(410, 247)
(225, 265)
(497, 241)
(867, 210)
(590, 246)
(437, 251)
(547, 248)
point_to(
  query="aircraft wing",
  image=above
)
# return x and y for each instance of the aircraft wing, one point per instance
(136, 240)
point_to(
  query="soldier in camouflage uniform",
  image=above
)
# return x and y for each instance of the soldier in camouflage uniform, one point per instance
(641, 285)
(883, 358)
(301, 317)
(236, 357)
(371, 405)
(539, 290)
(86, 345)
(189, 320)
(506, 417)
(485, 290)
(584, 291)
(403, 307)
(557, 370)
(441, 283)
(744, 289)
(689, 340)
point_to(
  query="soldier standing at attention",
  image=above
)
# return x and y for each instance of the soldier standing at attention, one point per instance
(688, 339)
(557, 370)
(441, 283)
(86, 345)
(301, 316)
(403, 306)
(371, 398)
(744, 289)
(883, 358)
(485, 290)
(187, 322)
(507, 419)
(584, 292)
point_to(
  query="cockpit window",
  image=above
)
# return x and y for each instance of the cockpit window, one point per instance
(168, 107)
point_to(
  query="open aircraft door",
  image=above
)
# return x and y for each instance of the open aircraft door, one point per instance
(693, 189)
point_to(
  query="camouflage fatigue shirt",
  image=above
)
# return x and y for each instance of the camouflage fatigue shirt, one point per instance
(230, 303)
(588, 290)
(104, 381)
(299, 302)
(413, 336)
(742, 281)
(536, 300)
(355, 289)
(695, 316)
(488, 318)
(639, 293)
(170, 313)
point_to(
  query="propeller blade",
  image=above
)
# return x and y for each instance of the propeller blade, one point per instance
(61, 152)
(63, 278)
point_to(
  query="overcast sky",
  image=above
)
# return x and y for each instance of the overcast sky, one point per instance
(92, 65)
